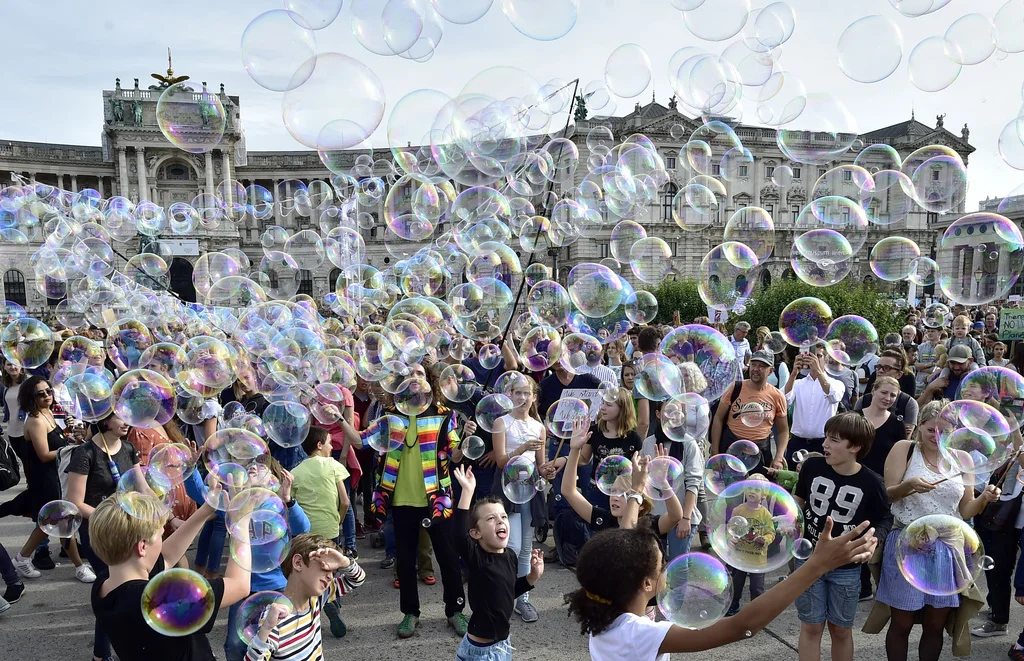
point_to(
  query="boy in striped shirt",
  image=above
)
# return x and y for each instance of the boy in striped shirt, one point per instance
(318, 574)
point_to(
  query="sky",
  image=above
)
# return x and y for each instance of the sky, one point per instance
(69, 51)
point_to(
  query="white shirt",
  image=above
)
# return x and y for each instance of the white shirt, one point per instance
(693, 474)
(813, 407)
(742, 348)
(518, 432)
(630, 638)
(604, 374)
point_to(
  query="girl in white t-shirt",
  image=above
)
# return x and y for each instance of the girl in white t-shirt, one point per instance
(619, 570)
(520, 434)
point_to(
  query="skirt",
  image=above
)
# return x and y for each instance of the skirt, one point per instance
(895, 591)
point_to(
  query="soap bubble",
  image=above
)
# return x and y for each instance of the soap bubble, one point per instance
(805, 321)
(580, 353)
(490, 408)
(738, 526)
(695, 591)
(870, 49)
(776, 342)
(192, 118)
(627, 72)
(543, 20)
(254, 608)
(287, 423)
(270, 546)
(458, 383)
(608, 473)
(857, 336)
(939, 554)
(664, 478)
(686, 417)
(994, 250)
(658, 378)
(143, 398)
(561, 414)
(746, 451)
(753, 551)
(752, 414)
(999, 387)
(802, 548)
(277, 52)
(893, 258)
(174, 461)
(178, 602)
(936, 315)
(26, 342)
(59, 518)
(519, 480)
(473, 447)
(384, 441)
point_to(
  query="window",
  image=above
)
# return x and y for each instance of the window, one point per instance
(769, 170)
(674, 247)
(743, 171)
(14, 287)
(603, 251)
(373, 232)
(305, 282)
(770, 208)
(332, 280)
(668, 195)
(716, 169)
(935, 175)
(796, 173)
(794, 209)
(670, 162)
(177, 172)
(847, 175)
(821, 171)
(933, 218)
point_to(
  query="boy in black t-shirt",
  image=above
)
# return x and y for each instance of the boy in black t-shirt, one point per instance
(133, 548)
(836, 486)
(492, 569)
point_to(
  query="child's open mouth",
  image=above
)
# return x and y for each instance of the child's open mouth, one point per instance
(502, 533)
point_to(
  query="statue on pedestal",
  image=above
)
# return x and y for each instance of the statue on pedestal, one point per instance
(117, 109)
(137, 112)
(965, 133)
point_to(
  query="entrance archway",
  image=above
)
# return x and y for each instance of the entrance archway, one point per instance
(181, 279)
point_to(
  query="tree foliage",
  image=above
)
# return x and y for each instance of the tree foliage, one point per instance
(767, 304)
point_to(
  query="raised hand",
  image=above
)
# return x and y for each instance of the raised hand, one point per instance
(640, 465)
(536, 566)
(855, 546)
(580, 433)
(331, 560)
(465, 478)
(275, 614)
(285, 492)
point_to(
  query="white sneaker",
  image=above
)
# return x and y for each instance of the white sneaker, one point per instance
(24, 567)
(4, 606)
(85, 574)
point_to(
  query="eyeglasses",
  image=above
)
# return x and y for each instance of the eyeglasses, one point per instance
(44, 393)
(887, 368)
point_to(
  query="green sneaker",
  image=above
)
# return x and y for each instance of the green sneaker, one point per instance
(338, 628)
(407, 627)
(459, 623)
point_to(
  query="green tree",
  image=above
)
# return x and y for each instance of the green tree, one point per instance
(767, 304)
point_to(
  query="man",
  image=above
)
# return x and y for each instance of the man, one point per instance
(989, 345)
(991, 322)
(602, 373)
(844, 375)
(909, 334)
(944, 384)
(815, 397)
(749, 410)
(741, 344)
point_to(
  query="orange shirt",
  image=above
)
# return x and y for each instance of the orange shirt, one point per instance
(772, 403)
(145, 441)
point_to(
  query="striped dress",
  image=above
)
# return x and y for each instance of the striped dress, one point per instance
(298, 638)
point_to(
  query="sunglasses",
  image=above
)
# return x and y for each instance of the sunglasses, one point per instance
(44, 393)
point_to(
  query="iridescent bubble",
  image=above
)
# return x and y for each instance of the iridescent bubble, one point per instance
(490, 408)
(594, 289)
(972, 452)
(414, 396)
(738, 526)
(178, 602)
(560, 415)
(657, 378)
(192, 118)
(59, 518)
(612, 475)
(782, 176)
(489, 356)
(287, 423)
(747, 451)
(711, 351)
(761, 547)
(174, 461)
(936, 315)
(541, 348)
(89, 394)
(520, 480)
(536, 272)
(934, 64)
(727, 275)
(802, 548)
(695, 591)
(977, 415)
(650, 259)
(144, 493)
(623, 236)
(753, 227)
(473, 447)
(1007, 21)
(627, 72)
(851, 339)
(458, 383)
(252, 611)
(722, 471)
(686, 417)
(776, 342)
(870, 49)
(939, 554)
(143, 398)
(999, 387)
(893, 258)
(543, 20)
(664, 478)
(878, 157)
(641, 307)
(980, 257)
(26, 342)
(717, 21)
(548, 303)
(277, 52)
(822, 114)
(971, 39)
(805, 321)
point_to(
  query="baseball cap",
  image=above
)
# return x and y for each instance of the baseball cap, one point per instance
(763, 356)
(978, 325)
(959, 354)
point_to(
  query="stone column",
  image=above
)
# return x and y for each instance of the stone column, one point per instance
(226, 158)
(209, 173)
(60, 180)
(101, 187)
(277, 204)
(74, 184)
(140, 160)
(122, 163)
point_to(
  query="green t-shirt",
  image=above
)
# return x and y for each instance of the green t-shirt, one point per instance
(409, 487)
(316, 490)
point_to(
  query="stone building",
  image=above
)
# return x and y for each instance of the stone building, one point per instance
(136, 160)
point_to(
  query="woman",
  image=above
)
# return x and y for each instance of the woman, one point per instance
(145, 441)
(520, 434)
(414, 487)
(95, 468)
(14, 424)
(45, 437)
(919, 483)
(888, 429)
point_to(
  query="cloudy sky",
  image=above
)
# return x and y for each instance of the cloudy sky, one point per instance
(61, 53)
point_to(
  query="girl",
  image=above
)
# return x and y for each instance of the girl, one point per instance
(93, 473)
(920, 483)
(45, 437)
(147, 440)
(14, 423)
(414, 487)
(611, 605)
(999, 358)
(520, 434)
(615, 432)
(888, 429)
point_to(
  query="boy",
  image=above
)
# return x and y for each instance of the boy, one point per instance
(754, 544)
(133, 549)
(926, 357)
(838, 486)
(318, 574)
(319, 488)
(491, 565)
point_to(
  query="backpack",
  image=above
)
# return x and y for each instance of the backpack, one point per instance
(899, 408)
(10, 475)
(63, 460)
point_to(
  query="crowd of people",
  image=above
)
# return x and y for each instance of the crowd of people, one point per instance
(857, 445)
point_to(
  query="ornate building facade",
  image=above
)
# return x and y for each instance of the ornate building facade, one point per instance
(135, 160)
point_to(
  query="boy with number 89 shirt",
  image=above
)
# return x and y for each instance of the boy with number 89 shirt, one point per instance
(838, 486)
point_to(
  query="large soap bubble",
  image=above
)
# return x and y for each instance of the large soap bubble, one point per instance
(695, 591)
(774, 521)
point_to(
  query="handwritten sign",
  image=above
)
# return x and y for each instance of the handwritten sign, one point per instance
(591, 396)
(1011, 324)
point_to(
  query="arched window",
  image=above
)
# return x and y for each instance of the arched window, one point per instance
(14, 287)
(305, 282)
(766, 279)
(177, 172)
(332, 280)
(668, 194)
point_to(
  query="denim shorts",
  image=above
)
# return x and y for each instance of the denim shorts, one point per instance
(832, 598)
(499, 651)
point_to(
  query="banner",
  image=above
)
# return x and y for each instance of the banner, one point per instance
(1011, 324)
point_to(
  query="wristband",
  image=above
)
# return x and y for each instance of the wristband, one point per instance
(635, 496)
(686, 518)
(290, 503)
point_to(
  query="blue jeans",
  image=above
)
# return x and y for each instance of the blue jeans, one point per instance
(499, 651)
(210, 547)
(7, 570)
(832, 598)
(348, 525)
(676, 546)
(520, 537)
(234, 648)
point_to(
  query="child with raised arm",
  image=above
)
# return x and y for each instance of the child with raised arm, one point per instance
(492, 569)
(611, 604)
(318, 574)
